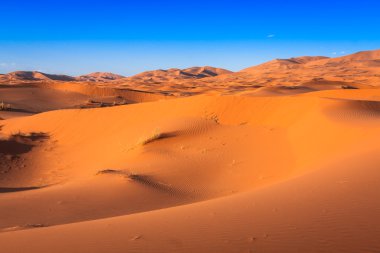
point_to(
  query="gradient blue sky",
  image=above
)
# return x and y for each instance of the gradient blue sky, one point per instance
(127, 37)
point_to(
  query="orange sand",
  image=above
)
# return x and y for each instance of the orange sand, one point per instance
(265, 170)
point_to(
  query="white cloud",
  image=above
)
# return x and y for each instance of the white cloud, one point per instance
(271, 35)
(334, 53)
(7, 64)
(342, 52)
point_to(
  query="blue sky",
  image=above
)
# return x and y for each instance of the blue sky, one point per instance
(127, 37)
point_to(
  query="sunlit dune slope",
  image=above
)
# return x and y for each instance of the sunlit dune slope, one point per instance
(30, 98)
(268, 170)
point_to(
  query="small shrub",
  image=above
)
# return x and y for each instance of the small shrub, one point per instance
(5, 107)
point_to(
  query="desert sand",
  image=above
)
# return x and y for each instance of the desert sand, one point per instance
(280, 157)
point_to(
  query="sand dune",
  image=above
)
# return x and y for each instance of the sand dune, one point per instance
(155, 75)
(20, 76)
(281, 157)
(99, 77)
(31, 98)
(311, 73)
(359, 70)
(284, 63)
(194, 72)
(33, 76)
(310, 213)
(205, 173)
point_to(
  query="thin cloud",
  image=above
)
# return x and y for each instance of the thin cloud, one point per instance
(7, 64)
(271, 36)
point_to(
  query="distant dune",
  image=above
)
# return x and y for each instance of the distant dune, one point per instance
(99, 77)
(194, 72)
(189, 73)
(33, 76)
(284, 64)
(359, 70)
(307, 73)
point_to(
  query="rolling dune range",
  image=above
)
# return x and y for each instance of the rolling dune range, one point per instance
(287, 165)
